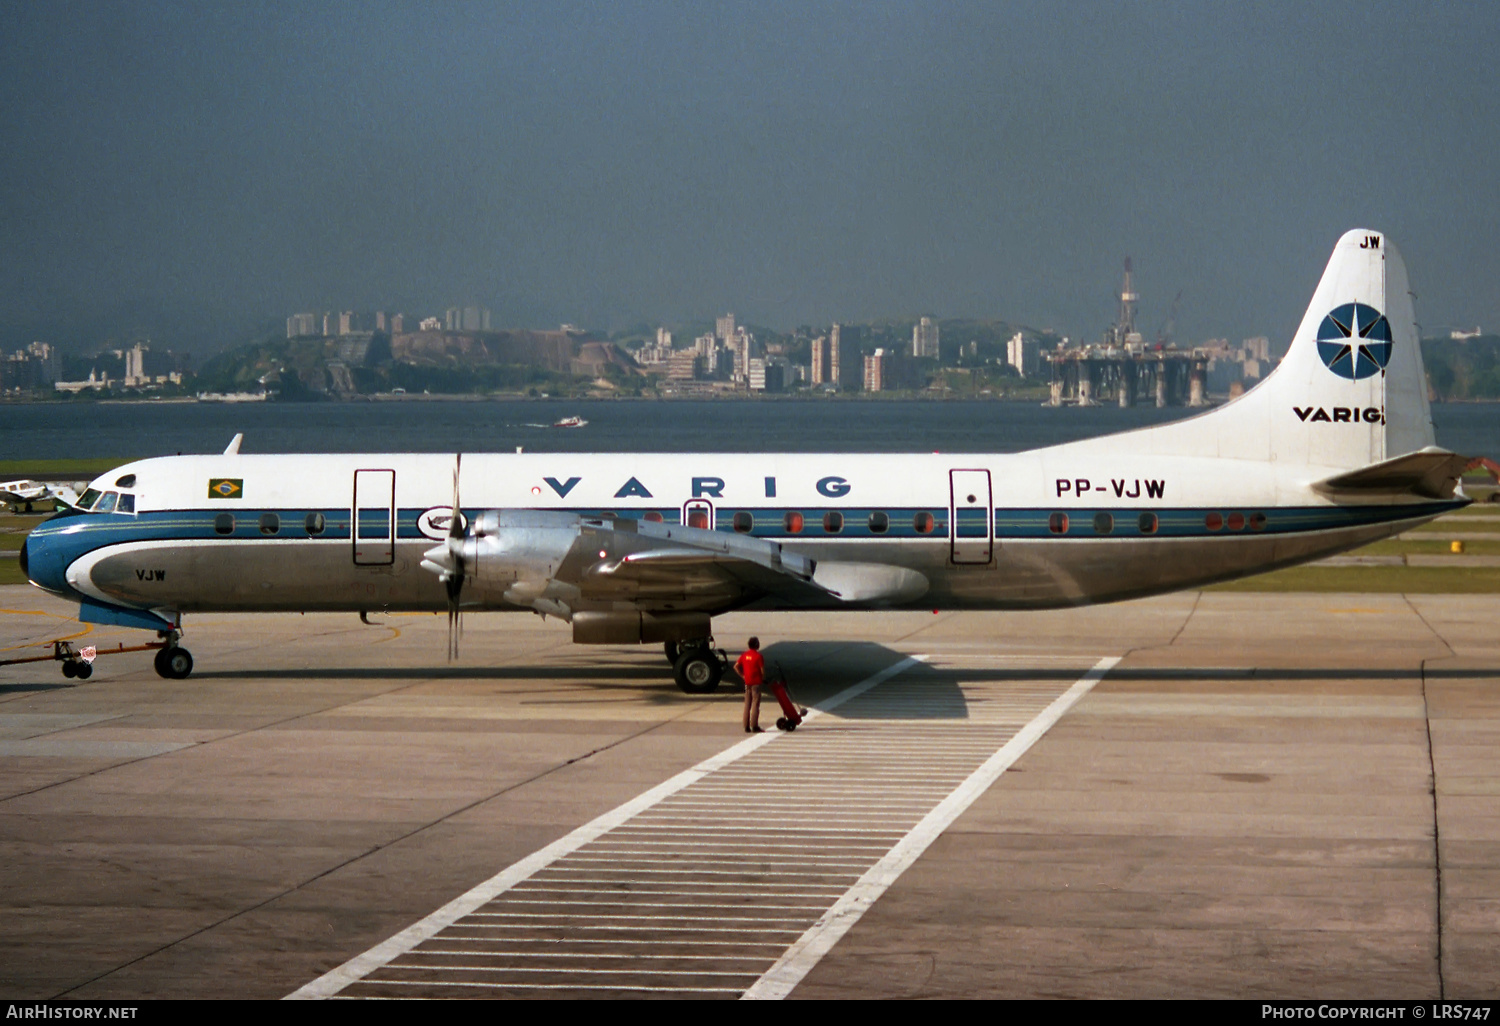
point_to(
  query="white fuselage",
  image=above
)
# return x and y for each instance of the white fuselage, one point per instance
(1068, 525)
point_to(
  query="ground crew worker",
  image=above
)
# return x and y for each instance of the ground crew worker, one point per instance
(751, 666)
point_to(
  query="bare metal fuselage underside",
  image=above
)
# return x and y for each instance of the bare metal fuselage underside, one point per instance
(317, 575)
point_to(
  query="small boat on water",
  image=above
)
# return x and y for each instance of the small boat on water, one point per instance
(571, 422)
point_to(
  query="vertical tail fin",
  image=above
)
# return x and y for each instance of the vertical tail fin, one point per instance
(1351, 391)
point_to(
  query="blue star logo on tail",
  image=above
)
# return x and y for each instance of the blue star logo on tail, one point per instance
(1354, 341)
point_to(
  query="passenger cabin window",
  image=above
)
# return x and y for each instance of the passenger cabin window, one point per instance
(1257, 521)
(652, 517)
(315, 523)
(743, 522)
(1057, 523)
(833, 522)
(106, 503)
(1103, 523)
(270, 523)
(1213, 521)
(224, 523)
(698, 518)
(1236, 521)
(1147, 523)
(922, 523)
(88, 498)
(126, 503)
(879, 523)
(793, 522)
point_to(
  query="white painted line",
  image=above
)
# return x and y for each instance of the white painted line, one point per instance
(552, 986)
(623, 940)
(820, 938)
(741, 906)
(673, 918)
(736, 885)
(563, 969)
(335, 980)
(655, 858)
(650, 929)
(764, 831)
(591, 954)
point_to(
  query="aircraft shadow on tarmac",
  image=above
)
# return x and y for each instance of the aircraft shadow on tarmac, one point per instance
(815, 670)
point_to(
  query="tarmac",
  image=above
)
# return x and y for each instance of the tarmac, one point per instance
(1242, 795)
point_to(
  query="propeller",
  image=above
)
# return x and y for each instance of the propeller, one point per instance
(453, 578)
(447, 561)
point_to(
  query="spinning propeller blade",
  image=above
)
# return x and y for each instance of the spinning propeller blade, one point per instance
(453, 579)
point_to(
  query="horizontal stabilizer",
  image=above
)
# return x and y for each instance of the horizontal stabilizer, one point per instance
(1429, 473)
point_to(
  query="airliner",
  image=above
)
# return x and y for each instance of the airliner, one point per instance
(1332, 450)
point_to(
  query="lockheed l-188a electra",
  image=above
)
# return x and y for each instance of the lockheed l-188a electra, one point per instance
(1332, 450)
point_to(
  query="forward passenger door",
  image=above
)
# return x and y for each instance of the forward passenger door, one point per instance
(373, 517)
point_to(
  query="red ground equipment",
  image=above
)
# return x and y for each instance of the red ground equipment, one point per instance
(793, 713)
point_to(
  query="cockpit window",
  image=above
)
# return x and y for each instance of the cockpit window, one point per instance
(107, 503)
(125, 481)
(126, 503)
(87, 499)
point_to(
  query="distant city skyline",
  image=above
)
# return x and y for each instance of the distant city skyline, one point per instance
(218, 168)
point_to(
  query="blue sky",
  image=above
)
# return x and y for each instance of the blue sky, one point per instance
(793, 162)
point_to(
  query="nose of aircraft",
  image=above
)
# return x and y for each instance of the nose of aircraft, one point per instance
(42, 565)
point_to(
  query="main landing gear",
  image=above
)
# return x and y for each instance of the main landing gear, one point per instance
(172, 660)
(697, 665)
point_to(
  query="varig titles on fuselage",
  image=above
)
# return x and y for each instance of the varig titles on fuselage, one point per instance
(832, 486)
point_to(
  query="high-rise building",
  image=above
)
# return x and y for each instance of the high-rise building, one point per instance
(766, 375)
(745, 348)
(724, 327)
(1024, 354)
(924, 339)
(844, 354)
(821, 370)
(135, 365)
(684, 365)
(882, 371)
(468, 318)
(302, 325)
(348, 322)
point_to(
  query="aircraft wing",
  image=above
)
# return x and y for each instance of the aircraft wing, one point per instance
(667, 563)
(541, 557)
(1430, 473)
(701, 564)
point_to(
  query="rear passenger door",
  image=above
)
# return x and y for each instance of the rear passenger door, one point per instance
(970, 516)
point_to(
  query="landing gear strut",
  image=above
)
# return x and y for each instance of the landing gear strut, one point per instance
(699, 666)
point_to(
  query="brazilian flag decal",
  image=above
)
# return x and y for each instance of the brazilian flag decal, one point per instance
(226, 488)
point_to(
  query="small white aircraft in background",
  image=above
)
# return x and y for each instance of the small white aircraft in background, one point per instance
(1333, 450)
(25, 492)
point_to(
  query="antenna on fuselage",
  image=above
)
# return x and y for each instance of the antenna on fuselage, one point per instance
(233, 448)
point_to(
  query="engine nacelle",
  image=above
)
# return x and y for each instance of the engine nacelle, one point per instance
(632, 628)
(508, 546)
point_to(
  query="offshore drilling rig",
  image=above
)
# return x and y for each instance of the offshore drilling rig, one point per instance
(1123, 368)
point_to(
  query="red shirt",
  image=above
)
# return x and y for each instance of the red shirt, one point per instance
(752, 667)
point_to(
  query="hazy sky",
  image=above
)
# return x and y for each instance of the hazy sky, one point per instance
(792, 162)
